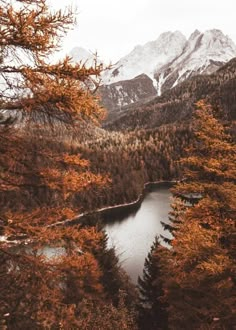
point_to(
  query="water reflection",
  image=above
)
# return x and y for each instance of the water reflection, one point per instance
(133, 236)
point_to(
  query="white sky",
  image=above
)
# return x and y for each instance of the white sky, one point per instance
(113, 28)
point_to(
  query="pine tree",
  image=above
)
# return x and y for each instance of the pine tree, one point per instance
(152, 307)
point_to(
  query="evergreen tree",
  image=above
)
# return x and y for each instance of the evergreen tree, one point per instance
(152, 308)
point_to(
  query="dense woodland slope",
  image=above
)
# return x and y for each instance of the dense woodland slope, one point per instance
(148, 140)
(57, 162)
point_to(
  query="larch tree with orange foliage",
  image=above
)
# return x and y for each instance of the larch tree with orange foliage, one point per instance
(47, 270)
(200, 287)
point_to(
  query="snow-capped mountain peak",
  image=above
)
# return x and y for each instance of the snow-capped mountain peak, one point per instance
(167, 61)
(171, 58)
(194, 34)
(147, 58)
(203, 53)
(79, 54)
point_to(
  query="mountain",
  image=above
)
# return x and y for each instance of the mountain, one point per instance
(79, 54)
(167, 61)
(147, 59)
(177, 104)
(139, 68)
(123, 93)
(203, 53)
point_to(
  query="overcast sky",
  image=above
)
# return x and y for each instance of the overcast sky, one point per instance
(113, 28)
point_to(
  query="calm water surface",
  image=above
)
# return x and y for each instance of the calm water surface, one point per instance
(133, 235)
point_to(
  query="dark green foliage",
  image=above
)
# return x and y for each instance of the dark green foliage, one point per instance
(152, 307)
(114, 279)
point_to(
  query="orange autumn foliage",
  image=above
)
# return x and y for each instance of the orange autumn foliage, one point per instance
(200, 288)
(47, 269)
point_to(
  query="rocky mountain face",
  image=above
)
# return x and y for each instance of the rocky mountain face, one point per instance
(177, 104)
(148, 58)
(203, 53)
(142, 62)
(167, 61)
(120, 94)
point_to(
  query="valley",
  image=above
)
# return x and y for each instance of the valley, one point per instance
(150, 142)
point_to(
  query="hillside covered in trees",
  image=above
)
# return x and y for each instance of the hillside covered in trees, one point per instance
(57, 162)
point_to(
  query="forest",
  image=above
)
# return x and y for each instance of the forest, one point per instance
(57, 161)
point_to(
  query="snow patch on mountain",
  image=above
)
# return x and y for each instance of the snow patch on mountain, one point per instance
(81, 55)
(160, 82)
(122, 93)
(203, 53)
(160, 65)
(148, 58)
(172, 58)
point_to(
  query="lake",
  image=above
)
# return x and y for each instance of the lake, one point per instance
(133, 234)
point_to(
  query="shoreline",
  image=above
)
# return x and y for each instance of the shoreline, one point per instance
(113, 208)
(102, 211)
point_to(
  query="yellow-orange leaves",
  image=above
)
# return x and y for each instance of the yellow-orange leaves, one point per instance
(70, 180)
